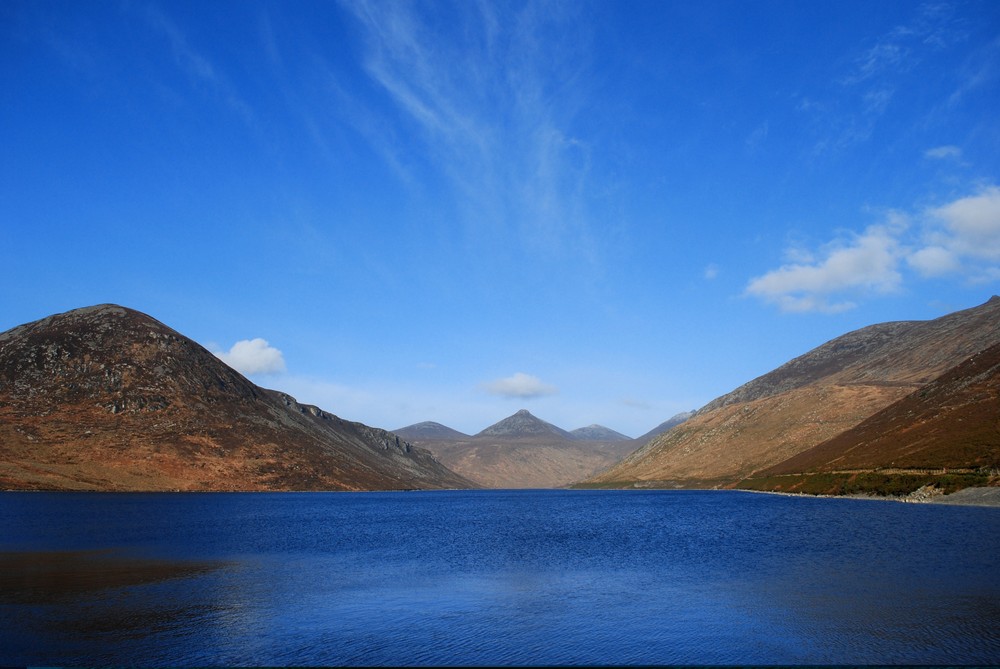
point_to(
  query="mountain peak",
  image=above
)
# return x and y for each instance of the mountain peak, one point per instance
(524, 424)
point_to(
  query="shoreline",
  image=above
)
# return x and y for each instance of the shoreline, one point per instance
(988, 497)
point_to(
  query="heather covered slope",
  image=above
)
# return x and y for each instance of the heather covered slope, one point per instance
(951, 423)
(808, 400)
(107, 398)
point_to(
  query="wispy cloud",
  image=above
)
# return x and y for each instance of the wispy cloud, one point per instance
(493, 105)
(866, 87)
(198, 66)
(944, 153)
(960, 238)
(520, 386)
(253, 356)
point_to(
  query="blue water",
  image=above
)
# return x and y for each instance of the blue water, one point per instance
(506, 577)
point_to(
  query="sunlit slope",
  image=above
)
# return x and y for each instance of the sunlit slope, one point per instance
(808, 400)
(108, 398)
(951, 423)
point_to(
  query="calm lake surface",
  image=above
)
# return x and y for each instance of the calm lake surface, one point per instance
(494, 577)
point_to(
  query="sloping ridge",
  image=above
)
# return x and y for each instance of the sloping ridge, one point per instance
(108, 398)
(952, 422)
(808, 400)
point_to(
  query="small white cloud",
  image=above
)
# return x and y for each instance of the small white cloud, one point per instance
(711, 271)
(253, 356)
(943, 152)
(521, 386)
(865, 263)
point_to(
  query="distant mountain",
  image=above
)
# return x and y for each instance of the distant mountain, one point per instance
(672, 422)
(807, 401)
(523, 451)
(598, 433)
(429, 430)
(108, 398)
(524, 424)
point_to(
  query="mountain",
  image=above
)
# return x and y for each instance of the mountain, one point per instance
(429, 430)
(598, 433)
(108, 398)
(808, 400)
(672, 422)
(523, 451)
(524, 424)
(951, 423)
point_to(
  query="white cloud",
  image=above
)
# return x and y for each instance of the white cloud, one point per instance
(943, 152)
(520, 385)
(934, 261)
(960, 238)
(865, 263)
(972, 224)
(711, 271)
(253, 356)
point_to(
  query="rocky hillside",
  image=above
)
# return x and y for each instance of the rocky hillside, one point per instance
(523, 451)
(809, 400)
(107, 398)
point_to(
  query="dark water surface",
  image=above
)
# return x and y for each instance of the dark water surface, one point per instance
(494, 577)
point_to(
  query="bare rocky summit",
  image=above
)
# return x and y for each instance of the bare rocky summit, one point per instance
(808, 400)
(108, 398)
(524, 424)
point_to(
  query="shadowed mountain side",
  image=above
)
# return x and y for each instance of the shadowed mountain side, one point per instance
(808, 400)
(107, 398)
(953, 422)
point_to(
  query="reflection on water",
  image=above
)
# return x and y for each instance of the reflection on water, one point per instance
(46, 577)
(494, 577)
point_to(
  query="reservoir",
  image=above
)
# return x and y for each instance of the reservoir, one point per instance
(485, 577)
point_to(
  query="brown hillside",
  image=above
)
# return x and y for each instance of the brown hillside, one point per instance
(522, 451)
(952, 422)
(808, 400)
(107, 398)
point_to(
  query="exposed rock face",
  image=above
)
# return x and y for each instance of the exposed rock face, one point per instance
(107, 398)
(808, 400)
(523, 451)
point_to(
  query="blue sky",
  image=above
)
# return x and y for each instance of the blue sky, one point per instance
(602, 212)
